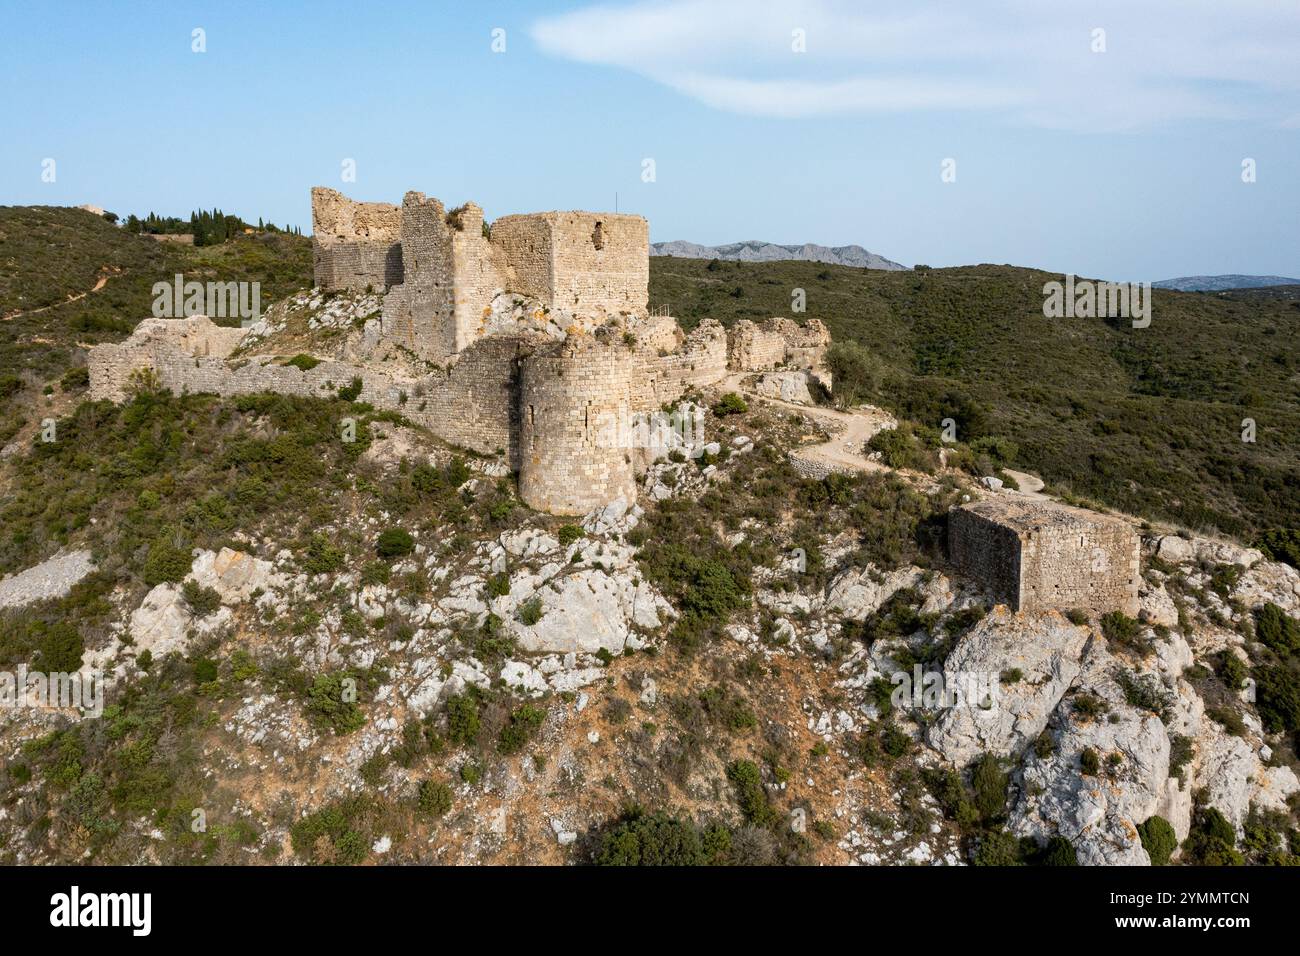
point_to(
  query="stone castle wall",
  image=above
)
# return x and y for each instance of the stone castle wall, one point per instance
(473, 403)
(574, 411)
(754, 348)
(1041, 555)
(355, 245)
(700, 360)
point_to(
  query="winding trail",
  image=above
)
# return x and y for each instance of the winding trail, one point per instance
(99, 284)
(850, 430)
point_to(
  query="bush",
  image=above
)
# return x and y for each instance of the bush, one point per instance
(999, 848)
(1282, 544)
(519, 730)
(201, 600)
(989, 785)
(730, 404)
(1277, 697)
(395, 543)
(304, 362)
(321, 557)
(498, 585)
(568, 534)
(350, 392)
(1276, 630)
(60, 649)
(328, 708)
(1089, 762)
(1232, 670)
(169, 559)
(659, 839)
(434, 798)
(1212, 840)
(530, 612)
(750, 793)
(1058, 852)
(1125, 632)
(902, 447)
(75, 379)
(333, 835)
(462, 719)
(1158, 839)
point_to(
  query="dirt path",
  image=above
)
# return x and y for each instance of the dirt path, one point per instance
(99, 284)
(1031, 486)
(850, 430)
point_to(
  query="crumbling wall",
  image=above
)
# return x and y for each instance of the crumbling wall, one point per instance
(753, 348)
(662, 376)
(473, 403)
(479, 270)
(355, 245)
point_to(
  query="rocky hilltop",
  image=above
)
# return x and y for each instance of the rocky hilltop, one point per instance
(757, 251)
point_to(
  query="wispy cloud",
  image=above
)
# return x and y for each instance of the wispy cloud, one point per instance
(1030, 60)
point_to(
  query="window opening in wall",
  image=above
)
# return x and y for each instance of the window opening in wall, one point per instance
(598, 236)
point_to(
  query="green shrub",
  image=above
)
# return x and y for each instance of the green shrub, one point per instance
(1281, 544)
(730, 404)
(60, 649)
(395, 543)
(462, 719)
(989, 782)
(328, 706)
(75, 379)
(334, 835)
(1232, 670)
(498, 585)
(1125, 632)
(1277, 697)
(204, 670)
(1212, 840)
(1058, 852)
(520, 728)
(201, 600)
(434, 798)
(530, 612)
(747, 780)
(658, 839)
(1158, 839)
(304, 362)
(998, 848)
(568, 534)
(169, 559)
(1077, 616)
(321, 557)
(1089, 762)
(1276, 630)
(351, 391)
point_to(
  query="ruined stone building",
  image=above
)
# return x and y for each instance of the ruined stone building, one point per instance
(531, 338)
(1042, 555)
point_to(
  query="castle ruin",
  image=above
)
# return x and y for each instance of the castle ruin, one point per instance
(1041, 555)
(531, 338)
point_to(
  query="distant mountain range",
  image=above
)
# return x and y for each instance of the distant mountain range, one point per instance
(756, 251)
(1222, 283)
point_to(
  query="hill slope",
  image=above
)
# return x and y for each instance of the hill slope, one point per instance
(1145, 420)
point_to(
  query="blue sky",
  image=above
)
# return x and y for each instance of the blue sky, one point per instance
(1124, 163)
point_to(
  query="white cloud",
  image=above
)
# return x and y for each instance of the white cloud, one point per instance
(1029, 60)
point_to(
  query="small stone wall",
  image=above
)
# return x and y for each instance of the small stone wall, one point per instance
(1042, 555)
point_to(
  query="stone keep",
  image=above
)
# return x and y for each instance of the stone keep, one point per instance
(1041, 555)
(442, 269)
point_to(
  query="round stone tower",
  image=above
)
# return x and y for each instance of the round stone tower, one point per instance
(575, 419)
